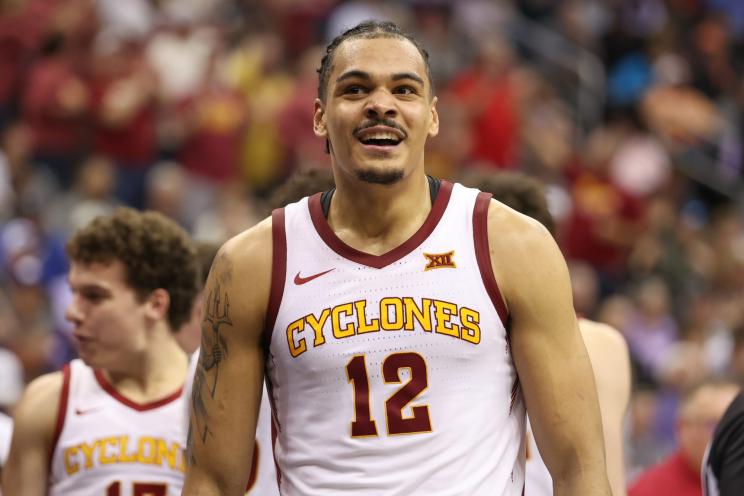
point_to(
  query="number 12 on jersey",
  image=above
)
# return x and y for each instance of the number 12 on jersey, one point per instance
(363, 425)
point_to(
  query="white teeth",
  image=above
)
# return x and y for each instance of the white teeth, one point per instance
(381, 136)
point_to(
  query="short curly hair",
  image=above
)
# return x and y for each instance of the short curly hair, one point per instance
(517, 190)
(155, 251)
(302, 182)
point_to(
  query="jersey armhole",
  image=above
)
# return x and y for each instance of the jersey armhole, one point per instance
(278, 272)
(61, 411)
(483, 255)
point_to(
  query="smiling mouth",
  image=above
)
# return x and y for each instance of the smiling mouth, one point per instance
(380, 135)
(380, 139)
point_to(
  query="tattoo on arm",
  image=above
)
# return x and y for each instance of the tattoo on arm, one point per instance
(214, 351)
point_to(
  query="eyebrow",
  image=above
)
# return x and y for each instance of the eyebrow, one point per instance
(366, 76)
(91, 287)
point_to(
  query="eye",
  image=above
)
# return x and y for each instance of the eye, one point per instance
(405, 90)
(354, 89)
(93, 296)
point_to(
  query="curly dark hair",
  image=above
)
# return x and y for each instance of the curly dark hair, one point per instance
(519, 191)
(366, 30)
(156, 253)
(302, 182)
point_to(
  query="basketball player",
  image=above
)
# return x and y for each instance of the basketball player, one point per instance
(608, 351)
(383, 311)
(113, 420)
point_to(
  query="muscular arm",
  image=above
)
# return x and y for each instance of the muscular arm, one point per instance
(549, 354)
(227, 385)
(608, 354)
(27, 469)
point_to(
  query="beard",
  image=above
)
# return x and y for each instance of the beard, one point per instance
(383, 177)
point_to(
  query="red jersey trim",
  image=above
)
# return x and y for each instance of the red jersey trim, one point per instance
(61, 411)
(278, 272)
(140, 407)
(380, 261)
(483, 255)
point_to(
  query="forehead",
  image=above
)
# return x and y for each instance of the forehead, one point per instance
(110, 275)
(378, 57)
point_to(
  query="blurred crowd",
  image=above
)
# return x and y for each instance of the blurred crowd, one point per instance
(629, 111)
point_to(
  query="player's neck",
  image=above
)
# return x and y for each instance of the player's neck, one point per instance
(374, 218)
(157, 372)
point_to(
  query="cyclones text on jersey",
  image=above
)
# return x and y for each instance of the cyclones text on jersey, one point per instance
(395, 314)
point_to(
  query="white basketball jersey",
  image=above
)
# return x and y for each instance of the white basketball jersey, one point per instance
(538, 481)
(108, 445)
(392, 374)
(262, 473)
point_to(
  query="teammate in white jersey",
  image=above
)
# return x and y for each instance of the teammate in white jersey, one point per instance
(112, 423)
(382, 312)
(608, 351)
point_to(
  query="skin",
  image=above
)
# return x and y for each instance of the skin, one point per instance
(374, 79)
(129, 339)
(189, 336)
(698, 417)
(608, 353)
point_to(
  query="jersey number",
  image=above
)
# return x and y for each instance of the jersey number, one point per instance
(138, 489)
(363, 424)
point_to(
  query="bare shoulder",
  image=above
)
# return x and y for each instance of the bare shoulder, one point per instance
(36, 413)
(510, 231)
(250, 248)
(242, 271)
(602, 336)
(523, 253)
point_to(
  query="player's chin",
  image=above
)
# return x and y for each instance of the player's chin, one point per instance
(91, 360)
(381, 175)
(89, 354)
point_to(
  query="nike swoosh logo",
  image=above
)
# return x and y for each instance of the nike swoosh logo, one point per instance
(78, 411)
(299, 280)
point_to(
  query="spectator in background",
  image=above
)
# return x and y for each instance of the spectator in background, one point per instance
(679, 474)
(56, 106)
(604, 220)
(179, 51)
(485, 90)
(91, 195)
(25, 255)
(651, 331)
(302, 147)
(169, 191)
(124, 91)
(257, 68)
(213, 120)
(32, 186)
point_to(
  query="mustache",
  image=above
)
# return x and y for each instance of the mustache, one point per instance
(380, 122)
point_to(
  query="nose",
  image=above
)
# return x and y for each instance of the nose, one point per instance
(73, 313)
(380, 104)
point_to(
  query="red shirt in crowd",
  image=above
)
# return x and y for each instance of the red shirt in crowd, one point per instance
(494, 123)
(672, 476)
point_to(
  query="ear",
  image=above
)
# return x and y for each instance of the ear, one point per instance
(319, 121)
(157, 304)
(434, 125)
